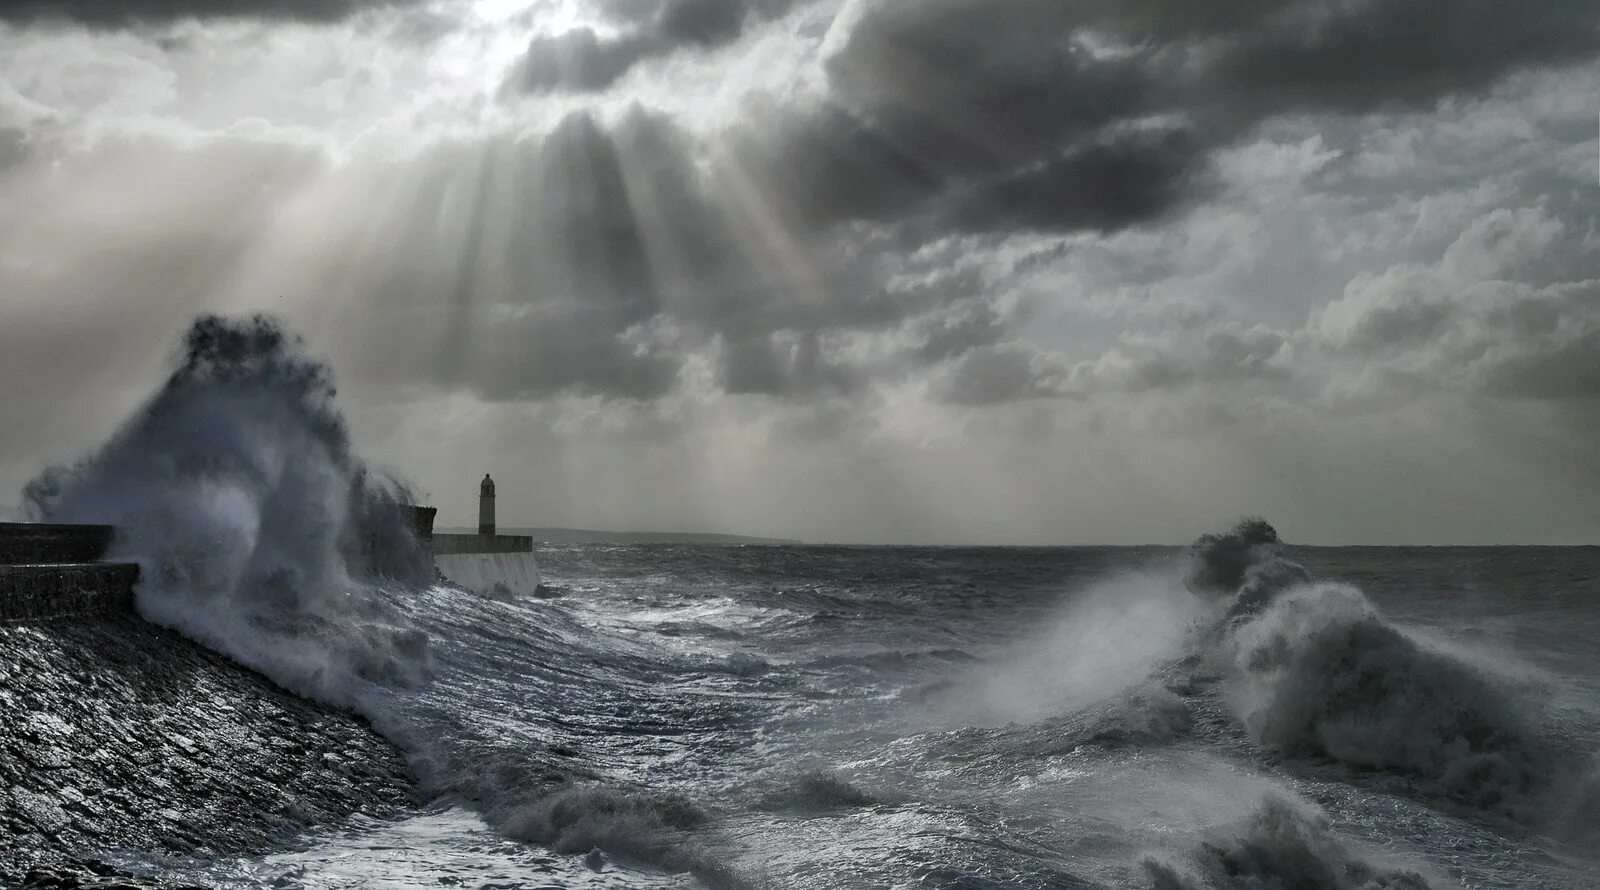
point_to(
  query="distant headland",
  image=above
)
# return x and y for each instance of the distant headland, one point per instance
(594, 536)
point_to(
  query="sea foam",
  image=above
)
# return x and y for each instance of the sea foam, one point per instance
(261, 535)
(1315, 669)
(258, 531)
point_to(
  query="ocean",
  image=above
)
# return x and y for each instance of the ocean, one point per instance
(1238, 713)
(841, 717)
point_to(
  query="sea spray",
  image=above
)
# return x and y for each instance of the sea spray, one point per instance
(1314, 669)
(1284, 843)
(1107, 640)
(259, 533)
(1320, 672)
(1246, 567)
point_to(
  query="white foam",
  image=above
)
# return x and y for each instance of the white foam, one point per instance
(1109, 637)
(258, 533)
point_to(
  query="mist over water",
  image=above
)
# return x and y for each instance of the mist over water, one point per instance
(1234, 714)
(1112, 635)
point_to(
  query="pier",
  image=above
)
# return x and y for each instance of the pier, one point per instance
(50, 570)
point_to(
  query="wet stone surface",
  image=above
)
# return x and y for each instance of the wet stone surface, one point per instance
(90, 876)
(118, 735)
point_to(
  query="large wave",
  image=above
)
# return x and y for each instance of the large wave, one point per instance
(1282, 844)
(1321, 672)
(259, 533)
(1315, 669)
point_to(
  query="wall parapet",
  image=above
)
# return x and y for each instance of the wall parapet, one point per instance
(446, 544)
(44, 592)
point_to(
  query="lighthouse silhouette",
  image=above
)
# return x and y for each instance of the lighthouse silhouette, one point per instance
(486, 506)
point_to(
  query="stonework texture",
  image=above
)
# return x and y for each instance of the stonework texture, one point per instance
(31, 593)
(117, 733)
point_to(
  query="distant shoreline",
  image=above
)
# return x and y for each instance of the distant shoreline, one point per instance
(593, 536)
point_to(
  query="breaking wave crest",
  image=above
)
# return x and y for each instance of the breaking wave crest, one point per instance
(1320, 672)
(1281, 844)
(1245, 567)
(258, 532)
(815, 792)
(262, 536)
(1314, 669)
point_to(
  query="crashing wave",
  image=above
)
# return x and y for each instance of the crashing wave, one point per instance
(262, 536)
(1279, 845)
(1246, 566)
(259, 533)
(815, 792)
(1321, 672)
(1314, 669)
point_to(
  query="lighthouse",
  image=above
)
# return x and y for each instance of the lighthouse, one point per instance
(487, 562)
(486, 506)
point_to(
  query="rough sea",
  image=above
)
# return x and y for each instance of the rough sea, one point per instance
(1240, 713)
(832, 717)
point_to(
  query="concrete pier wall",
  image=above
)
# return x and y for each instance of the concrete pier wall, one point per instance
(46, 592)
(449, 544)
(49, 571)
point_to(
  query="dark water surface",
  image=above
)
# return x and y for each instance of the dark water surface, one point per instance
(837, 717)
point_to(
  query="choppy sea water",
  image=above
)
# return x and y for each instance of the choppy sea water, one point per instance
(835, 717)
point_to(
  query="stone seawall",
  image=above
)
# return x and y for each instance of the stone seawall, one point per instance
(49, 571)
(49, 592)
(115, 733)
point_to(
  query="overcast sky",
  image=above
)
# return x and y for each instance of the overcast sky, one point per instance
(1000, 271)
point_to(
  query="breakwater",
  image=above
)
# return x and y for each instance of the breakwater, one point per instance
(495, 565)
(50, 571)
(31, 593)
(118, 734)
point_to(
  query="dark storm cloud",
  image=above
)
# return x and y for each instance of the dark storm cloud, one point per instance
(925, 104)
(1388, 53)
(943, 117)
(120, 13)
(582, 61)
(1109, 184)
(1039, 115)
(599, 258)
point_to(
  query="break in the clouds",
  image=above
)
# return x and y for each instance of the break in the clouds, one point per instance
(582, 59)
(1031, 270)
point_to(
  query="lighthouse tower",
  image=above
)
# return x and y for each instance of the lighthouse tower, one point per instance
(486, 506)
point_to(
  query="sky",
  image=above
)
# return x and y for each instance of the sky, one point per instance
(872, 271)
